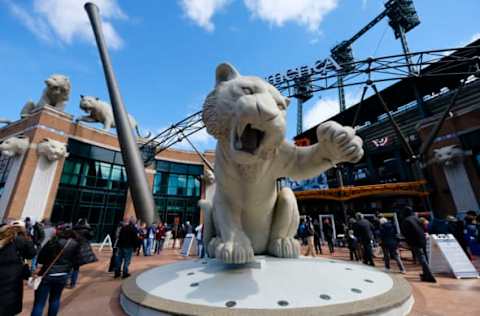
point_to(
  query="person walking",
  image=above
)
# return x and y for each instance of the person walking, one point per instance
(328, 234)
(85, 235)
(199, 238)
(38, 235)
(389, 242)
(127, 241)
(302, 231)
(310, 232)
(57, 258)
(364, 231)
(316, 237)
(142, 237)
(49, 231)
(113, 257)
(188, 228)
(352, 243)
(160, 233)
(15, 248)
(471, 233)
(176, 233)
(150, 238)
(413, 232)
(457, 229)
(28, 227)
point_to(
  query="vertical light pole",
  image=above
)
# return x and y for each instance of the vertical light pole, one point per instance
(303, 93)
(341, 91)
(137, 181)
(299, 116)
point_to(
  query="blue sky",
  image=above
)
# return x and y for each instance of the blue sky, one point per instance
(165, 52)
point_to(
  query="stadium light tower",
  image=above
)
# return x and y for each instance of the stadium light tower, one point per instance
(342, 52)
(303, 93)
(403, 18)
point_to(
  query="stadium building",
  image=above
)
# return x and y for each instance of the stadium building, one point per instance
(445, 182)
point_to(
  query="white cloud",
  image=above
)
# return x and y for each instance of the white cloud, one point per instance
(474, 37)
(327, 107)
(36, 25)
(364, 4)
(202, 11)
(322, 110)
(201, 140)
(68, 21)
(309, 13)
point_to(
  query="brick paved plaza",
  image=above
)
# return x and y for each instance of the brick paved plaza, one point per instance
(98, 293)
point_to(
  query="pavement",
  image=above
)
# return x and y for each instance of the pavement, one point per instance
(97, 292)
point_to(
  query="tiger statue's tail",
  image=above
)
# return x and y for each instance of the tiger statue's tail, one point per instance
(208, 226)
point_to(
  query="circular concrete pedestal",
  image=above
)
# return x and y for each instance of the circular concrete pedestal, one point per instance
(272, 286)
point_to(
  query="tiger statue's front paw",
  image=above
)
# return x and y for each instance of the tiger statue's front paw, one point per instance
(284, 247)
(234, 252)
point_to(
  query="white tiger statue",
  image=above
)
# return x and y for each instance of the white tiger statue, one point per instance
(52, 149)
(101, 112)
(14, 146)
(55, 94)
(448, 155)
(248, 215)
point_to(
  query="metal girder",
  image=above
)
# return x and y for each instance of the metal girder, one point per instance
(385, 69)
(367, 71)
(172, 135)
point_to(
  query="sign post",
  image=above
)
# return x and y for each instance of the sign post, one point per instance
(446, 256)
(187, 245)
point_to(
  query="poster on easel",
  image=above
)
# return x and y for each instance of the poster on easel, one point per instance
(446, 256)
(187, 245)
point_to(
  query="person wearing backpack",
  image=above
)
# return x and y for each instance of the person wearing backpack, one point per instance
(310, 233)
(328, 233)
(57, 257)
(15, 248)
(85, 235)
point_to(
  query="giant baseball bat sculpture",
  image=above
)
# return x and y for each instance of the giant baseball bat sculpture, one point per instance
(137, 180)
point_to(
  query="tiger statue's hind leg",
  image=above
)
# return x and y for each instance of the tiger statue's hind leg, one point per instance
(284, 227)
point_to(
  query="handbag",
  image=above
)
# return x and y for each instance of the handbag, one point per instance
(35, 280)
(86, 254)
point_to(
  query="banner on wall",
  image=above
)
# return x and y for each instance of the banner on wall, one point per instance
(319, 182)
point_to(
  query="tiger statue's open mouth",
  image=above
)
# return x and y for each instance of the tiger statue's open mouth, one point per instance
(247, 138)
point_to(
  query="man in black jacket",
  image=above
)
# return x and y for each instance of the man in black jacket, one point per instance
(414, 235)
(389, 242)
(127, 241)
(363, 230)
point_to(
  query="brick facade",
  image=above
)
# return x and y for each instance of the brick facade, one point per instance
(49, 123)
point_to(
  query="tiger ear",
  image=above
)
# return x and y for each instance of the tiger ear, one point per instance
(81, 96)
(225, 72)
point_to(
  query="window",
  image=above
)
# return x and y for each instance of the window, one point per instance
(92, 186)
(5, 165)
(176, 190)
(172, 184)
(182, 185)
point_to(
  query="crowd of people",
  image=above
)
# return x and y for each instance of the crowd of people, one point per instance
(135, 237)
(55, 253)
(49, 257)
(363, 236)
